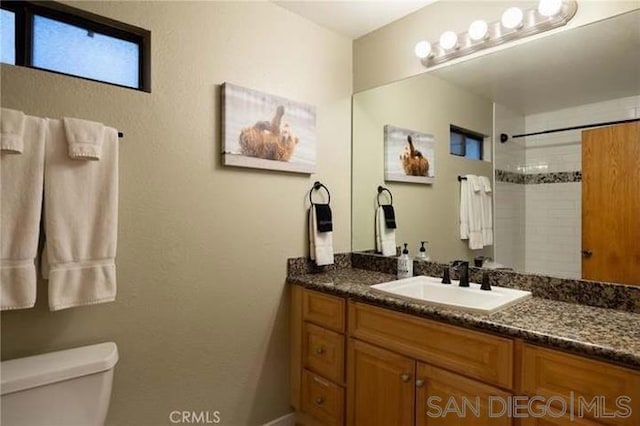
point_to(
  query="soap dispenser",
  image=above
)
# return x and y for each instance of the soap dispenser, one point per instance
(422, 253)
(405, 264)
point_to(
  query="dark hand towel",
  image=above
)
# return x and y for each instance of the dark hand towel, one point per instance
(323, 217)
(389, 216)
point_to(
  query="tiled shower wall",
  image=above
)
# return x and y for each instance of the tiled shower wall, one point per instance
(553, 210)
(538, 225)
(509, 198)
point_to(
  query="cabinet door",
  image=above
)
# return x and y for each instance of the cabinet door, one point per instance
(556, 421)
(380, 385)
(447, 399)
(606, 393)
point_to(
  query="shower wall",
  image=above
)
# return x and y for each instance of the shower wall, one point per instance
(538, 190)
(553, 188)
(509, 192)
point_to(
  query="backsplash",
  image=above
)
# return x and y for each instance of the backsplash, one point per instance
(593, 293)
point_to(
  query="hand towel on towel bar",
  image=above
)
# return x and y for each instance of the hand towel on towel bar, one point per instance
(471, 212)
(320, 243)
(12, 125)
(81, 222)
(21, 177)
(84, 138)
(385, 234)
(487, 215)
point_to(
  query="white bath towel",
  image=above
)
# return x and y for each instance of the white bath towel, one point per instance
(81, 222)
(385, 237)
(84, 138)
(12, 123)
(320, 243)
(21, 179)
(487, 215)
(471, 212)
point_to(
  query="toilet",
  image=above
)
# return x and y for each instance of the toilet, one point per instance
(65, 388)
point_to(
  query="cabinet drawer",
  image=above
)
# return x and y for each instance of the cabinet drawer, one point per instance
(323, 352)
(322, 400)
(474, 354)
(322, 309)
(550, 373)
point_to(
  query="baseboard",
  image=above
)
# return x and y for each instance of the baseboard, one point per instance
(286, 420)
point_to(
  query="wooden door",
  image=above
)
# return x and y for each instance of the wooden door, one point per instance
(380, 386)
(611, 204)
(447, 399)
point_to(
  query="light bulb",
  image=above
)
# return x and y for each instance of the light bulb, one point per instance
(549, 7)
(512, 18)
(448, 40)
(478, 30)
(423, 49)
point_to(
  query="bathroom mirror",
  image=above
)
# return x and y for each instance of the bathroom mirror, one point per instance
(584, 75)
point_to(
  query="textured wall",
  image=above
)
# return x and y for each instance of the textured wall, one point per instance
(201, 316)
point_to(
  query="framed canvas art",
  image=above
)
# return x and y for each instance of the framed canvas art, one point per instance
(265, 131)
(409, 156)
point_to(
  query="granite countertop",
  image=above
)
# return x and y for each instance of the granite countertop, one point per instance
(606, 334)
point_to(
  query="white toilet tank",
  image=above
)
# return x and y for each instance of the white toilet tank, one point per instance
(64, 388)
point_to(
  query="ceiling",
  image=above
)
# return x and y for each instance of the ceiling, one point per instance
(353, 18)
(588, 64)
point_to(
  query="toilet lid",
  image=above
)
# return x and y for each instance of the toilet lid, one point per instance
(39, 370)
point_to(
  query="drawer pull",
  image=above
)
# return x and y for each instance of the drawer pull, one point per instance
(419, 383)
(319, 350)
(319, 400)
(320, 381)
(405, 377)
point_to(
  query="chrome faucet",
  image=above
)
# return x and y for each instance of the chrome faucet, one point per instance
(462, 266)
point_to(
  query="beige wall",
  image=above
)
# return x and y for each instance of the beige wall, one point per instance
(386, 55)
(201, 315)
(423, 212)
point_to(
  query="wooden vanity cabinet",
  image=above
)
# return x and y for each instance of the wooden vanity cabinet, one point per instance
(577, 380)
(318, 357)
(362, 365)
(386, 388)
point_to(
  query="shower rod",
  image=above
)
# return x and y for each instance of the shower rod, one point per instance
(505, 137)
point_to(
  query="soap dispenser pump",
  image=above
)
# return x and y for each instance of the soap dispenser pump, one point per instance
(405, 264)
(422, 254)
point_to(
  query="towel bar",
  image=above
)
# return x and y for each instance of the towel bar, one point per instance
(316, 187)
(381, 189)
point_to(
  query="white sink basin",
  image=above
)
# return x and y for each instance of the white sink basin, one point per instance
(470, 299)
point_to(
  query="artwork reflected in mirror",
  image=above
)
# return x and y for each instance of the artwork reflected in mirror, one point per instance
(409, 155)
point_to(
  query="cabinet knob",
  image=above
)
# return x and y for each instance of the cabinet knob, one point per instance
(587, 253)
(319, 350)
(405, 377)
(419, 383)
(319, 400)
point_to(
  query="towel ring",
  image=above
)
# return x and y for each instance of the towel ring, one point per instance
(316, 187)
(381, 189)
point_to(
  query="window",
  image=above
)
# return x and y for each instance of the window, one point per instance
(465, 143)
(8, 22)
(70, 41)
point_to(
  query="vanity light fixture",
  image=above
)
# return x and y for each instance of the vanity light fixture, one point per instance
(549, 7)
(448, 40)
(423, 49)
(478, 30)
(514, 24)
(512, 18)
